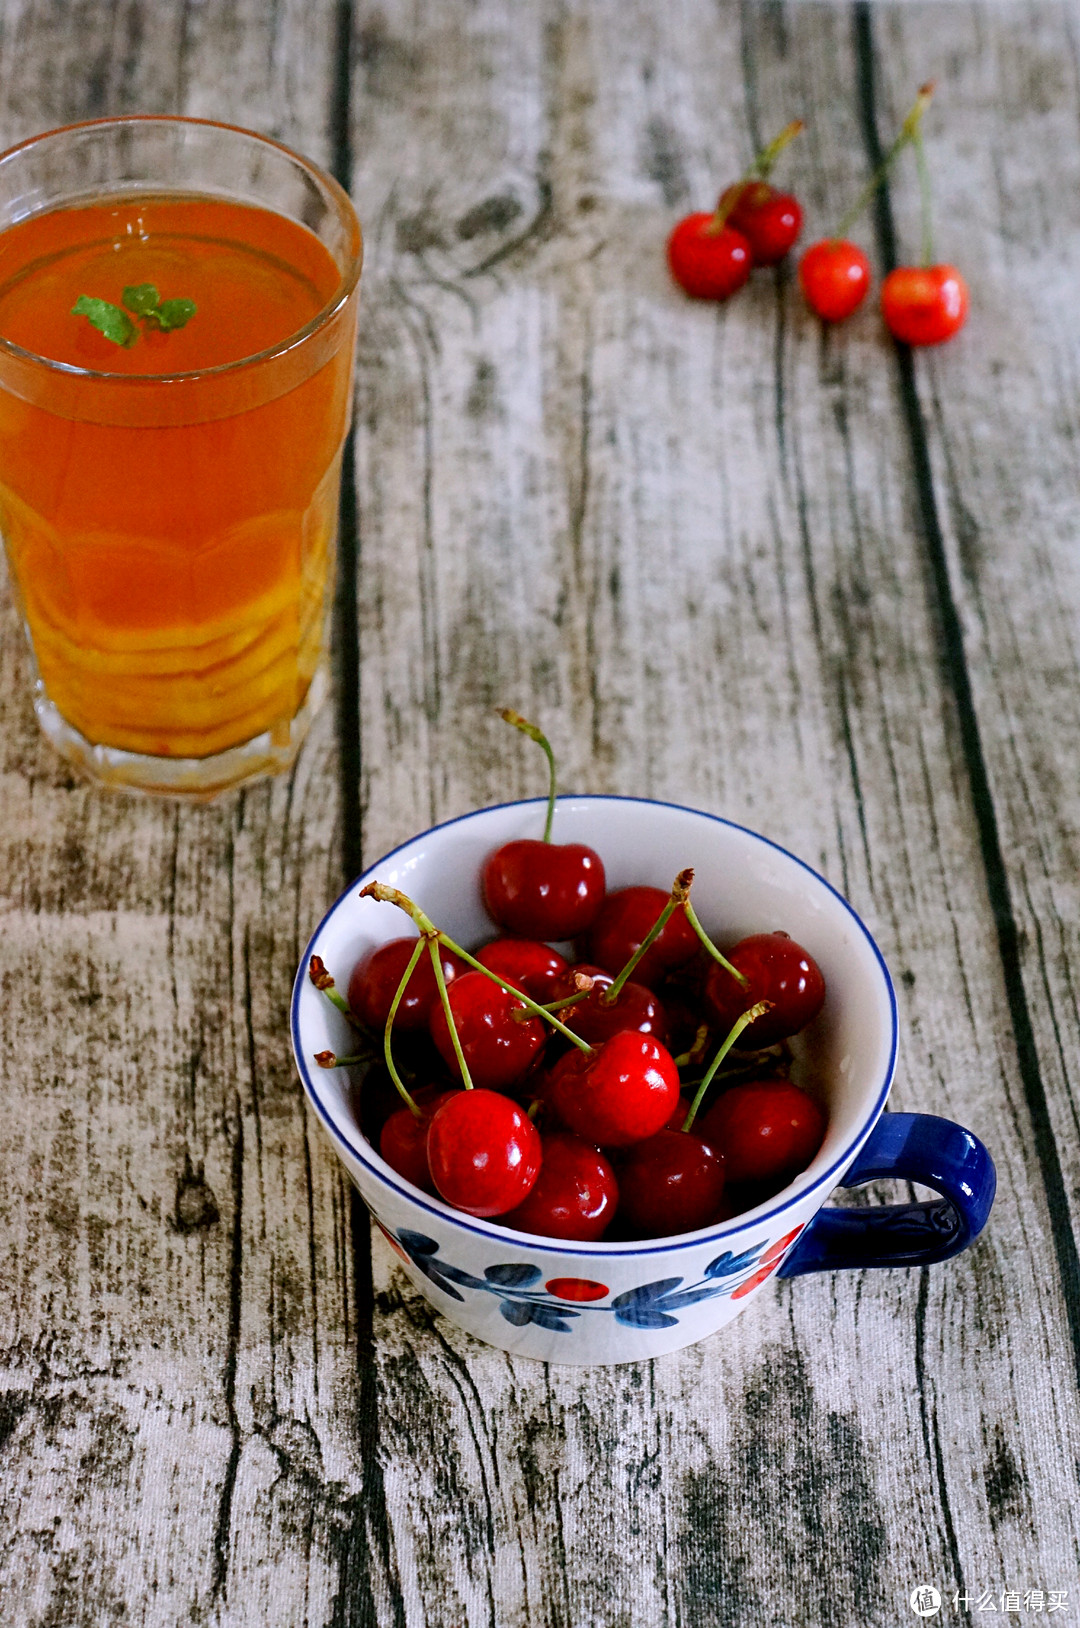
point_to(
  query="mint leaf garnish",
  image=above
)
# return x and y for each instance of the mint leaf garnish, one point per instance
(107, 319)
(143, 300)
(174, 313)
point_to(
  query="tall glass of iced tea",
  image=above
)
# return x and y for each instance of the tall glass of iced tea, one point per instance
(177, 327)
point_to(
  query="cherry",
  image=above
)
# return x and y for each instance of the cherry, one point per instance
(574, 1195)
(769, 220)
(543, 889)
(530, 965)
(673, 1182)
(618, 1094)
(766, 1130)
(924, 305)
(635, 1007)
(777, 970)
(708, 262)
(835, 277)
(498, 1047)
(376, 977)
(622, 925)
(484, 1152)
(403, 1140)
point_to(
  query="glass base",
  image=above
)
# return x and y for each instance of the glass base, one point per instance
(193, 779)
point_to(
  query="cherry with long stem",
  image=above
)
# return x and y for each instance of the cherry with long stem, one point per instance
(680, 895)
(509, 716)
(392, 895)
(760, 168)
(910, 131)
(736, 1030)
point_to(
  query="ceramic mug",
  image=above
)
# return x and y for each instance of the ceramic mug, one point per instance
(617, 1302)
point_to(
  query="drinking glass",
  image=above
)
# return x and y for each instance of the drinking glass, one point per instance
(169, 471)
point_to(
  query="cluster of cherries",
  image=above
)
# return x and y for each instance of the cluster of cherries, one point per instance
(711, 255)
(563, 1097)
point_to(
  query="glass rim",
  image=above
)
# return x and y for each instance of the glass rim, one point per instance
(340, 297)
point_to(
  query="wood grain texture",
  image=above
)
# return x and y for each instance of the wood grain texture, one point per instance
(700, 544)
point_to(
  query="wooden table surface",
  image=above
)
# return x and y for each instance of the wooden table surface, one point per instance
(804, 579)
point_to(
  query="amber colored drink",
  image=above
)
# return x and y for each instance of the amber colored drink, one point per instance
(170, 516)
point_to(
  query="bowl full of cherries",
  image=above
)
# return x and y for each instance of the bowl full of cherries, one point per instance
(595, 1064)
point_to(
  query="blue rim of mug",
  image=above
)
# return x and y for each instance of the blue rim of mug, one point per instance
(599, 1251)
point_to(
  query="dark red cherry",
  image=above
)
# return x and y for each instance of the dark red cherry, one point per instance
(767, 1130)
(777, 970)
(622, 1092)
(769, 220)
(484, 1152)
(376, 976)
(527, 964)
(623, 924)
(403, 1141)
(635, 1007)
(574, 1195)
(543, 889)
(498, 1047)
(673, 1182)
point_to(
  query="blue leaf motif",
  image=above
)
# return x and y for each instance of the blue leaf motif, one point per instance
(518, 1312)
(727, 1264)
(646, 1293)
(431, 1271)
(642, 1316)
(689, 1297)
(457, 1274)
(417, 1243)
(512, 1275)
(550, 1317)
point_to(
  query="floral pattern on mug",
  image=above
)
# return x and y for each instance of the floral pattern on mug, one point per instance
(555, 1304)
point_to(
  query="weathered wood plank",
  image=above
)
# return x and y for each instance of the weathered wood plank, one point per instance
(690, 541)
(177, 1320)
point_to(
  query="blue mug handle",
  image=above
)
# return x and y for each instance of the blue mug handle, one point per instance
(908, 1147)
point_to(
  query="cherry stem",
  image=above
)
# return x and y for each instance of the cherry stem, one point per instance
(760, 169)
(680, 895)
(691, 916)
(909, 131)
(925, 200)
(392, 895)
(509, 716)
(433, 943)
(736, 1030)
(390, 1016)
(568, 1000)
(694, 1055)
(323, 981)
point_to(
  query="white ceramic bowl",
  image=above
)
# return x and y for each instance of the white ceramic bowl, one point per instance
(619, 1302)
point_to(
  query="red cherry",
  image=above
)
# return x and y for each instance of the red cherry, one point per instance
(635, 1007)
(376, 976)
(497, 1047)
(673, 1182)
(924, 305)
(708, 264)
(529, 965)
(543, 889)
(484, 1152)
(618, 1094)
(766, 1129)
(777, 970)
(403, 1141)
(624, 922)
(835, 277)
(574, 1196)
(769, 220)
